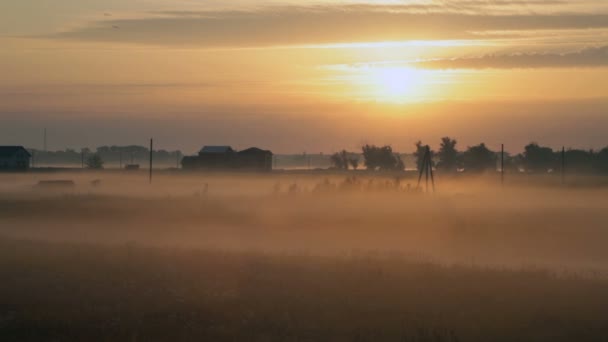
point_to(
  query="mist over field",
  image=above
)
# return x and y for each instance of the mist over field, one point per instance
(303, 256)
(284, 142)
(470, 220)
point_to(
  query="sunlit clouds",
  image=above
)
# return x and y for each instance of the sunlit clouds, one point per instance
(185, 59)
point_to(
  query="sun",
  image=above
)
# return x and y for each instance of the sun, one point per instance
(396, 84)
(391, 83)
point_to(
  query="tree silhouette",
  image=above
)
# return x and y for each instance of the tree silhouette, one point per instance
(538, 158)
(400, 166)
(354, 162)
(580, 160)
(380, 158)
(601, 160)
(94, 162)
(448, 155)
(340, 160)
(479, 158)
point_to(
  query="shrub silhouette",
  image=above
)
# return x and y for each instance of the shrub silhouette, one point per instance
(381, 158)
(94, 162)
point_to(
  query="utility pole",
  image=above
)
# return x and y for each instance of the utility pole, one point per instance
(120, 160)
(430, 162)
(151, 146)
(82, 158)
(502, 164)
(427, 169)
(563, 165)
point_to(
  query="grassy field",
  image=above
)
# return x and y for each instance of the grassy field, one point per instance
(83, 292)
(255, 258)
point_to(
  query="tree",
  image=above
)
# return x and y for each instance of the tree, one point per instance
(419, 155)
(340, 160)
(580, 160)
(354, 162)
(479, 158)
(380, 158)
(448, 155)
(400, 166)
(538, 158)
(601, 160)
(94, 162)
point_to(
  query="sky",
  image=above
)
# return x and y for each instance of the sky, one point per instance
(294, 76)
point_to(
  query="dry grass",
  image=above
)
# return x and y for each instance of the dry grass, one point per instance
(86, 292)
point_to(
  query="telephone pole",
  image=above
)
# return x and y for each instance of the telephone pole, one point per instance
(563, 165)
(151, 146)
(502, 164)
(427, 169)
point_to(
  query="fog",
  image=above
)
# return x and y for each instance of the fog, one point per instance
(530, 222)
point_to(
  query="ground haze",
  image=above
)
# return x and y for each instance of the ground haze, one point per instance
(302, 256)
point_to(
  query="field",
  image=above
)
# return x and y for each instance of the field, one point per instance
(303, 256)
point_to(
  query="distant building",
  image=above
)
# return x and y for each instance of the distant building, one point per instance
(14, 158)
(255, 158)
(226, 158)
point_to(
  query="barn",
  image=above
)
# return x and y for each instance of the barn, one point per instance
(14, 158)
(226, 158)
(255, 159)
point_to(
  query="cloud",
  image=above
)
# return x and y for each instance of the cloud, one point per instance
(589, 57)
(296, 25)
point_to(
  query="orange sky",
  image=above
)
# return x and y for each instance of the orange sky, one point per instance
(345, 72)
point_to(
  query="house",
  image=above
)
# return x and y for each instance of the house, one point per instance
(14, 158)
(255, 159)
(226, 158)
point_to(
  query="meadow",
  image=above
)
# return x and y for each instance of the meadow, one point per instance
(302, 256)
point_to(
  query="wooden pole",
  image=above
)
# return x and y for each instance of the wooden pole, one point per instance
(432, 176)
(151, 147)
(421, 166)
(502, 164)
(426, 166)
(563, 165)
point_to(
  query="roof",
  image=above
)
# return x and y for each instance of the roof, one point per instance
(9, 151)
(216, 149)
(254, 150)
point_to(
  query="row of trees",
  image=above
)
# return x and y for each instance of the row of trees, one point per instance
(477, 158)
(375, 158)
(131, 154)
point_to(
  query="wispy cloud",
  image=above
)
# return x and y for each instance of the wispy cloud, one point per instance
(297, 25)
(589, 57)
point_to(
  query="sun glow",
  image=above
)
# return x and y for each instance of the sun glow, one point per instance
(396, 83)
